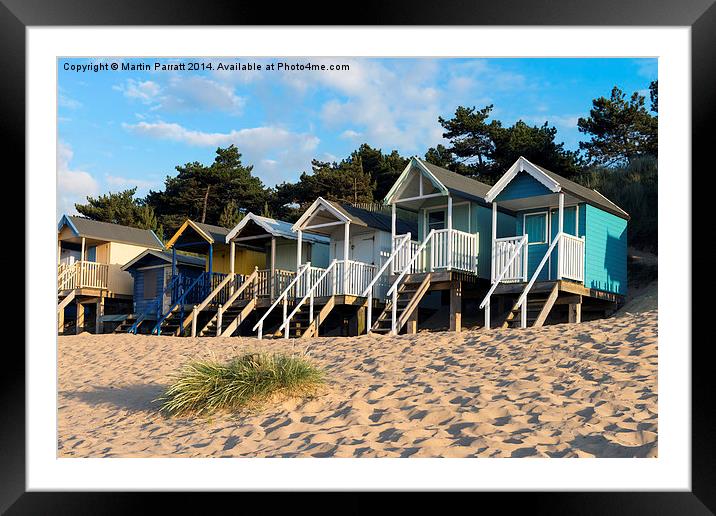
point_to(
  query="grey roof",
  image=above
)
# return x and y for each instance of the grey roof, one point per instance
(457, 183)
(586, 194)
(281, 228)
(218, 233)
(182, 259)
(375, 220)
(111, 232)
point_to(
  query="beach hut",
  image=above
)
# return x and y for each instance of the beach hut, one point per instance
(90, 279)
(335, 298)
(152, 272)
(451, 250)
(566, 248)
(225, 267)
(276, 240)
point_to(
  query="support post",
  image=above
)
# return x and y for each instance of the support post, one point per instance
(174, 261)
(456, 306)
(232, 267)
(393, 216)
(273, 266)
(411, 325)
(346, 251)
(80, 320)
(98, 324)
(493, 273)
(211, 259)
(575, 312)
(194, 316)
(81, 281)
(61, 320)
(298, 259)
(559, 233)
(449, 234)
(487, 315)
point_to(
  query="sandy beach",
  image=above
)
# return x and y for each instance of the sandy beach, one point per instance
(579, 390)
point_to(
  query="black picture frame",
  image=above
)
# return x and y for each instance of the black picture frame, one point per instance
(699, 15)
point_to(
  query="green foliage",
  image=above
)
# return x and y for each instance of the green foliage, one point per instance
(230, 215)
(120, 208)
(621, 129)
(634, 188)
(486, 150)
(203, 387)
(201, 193)
(654, 96)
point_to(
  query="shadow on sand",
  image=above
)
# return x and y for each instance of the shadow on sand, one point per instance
(135, 398)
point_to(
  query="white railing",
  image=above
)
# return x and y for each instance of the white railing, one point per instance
(316, 283)
(505, 261)
(449, 249)
(281, 278)
(405, 252)
(393, 290)
(517, 253)
(82, 274)
(571, 261)
(283, 298)
(398, 251)
(360, 276)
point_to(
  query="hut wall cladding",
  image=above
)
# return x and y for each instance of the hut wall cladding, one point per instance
(605, 250)
(156, 275)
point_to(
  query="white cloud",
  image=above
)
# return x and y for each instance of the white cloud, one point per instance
(144, 91)
(182, 93)
(350, 134)
(277, 153)
(67, 102)
(129, 182)
(73, 186)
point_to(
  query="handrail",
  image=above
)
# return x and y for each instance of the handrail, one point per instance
(260, 324)
(248, 280)
(514, 255)
(410, 262)
(154, 307)
(229, 277)
(369, 290)
(303, 300)
(527, 289)
(178, 302)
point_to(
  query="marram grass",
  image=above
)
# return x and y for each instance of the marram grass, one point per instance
(203, 387)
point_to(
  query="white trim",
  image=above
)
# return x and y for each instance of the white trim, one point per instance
(327, 224)
(522, 165)
(419, 197)
(401, 183)
(547, 236)
(313, 208)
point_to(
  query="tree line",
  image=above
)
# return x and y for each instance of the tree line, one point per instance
(620, 135)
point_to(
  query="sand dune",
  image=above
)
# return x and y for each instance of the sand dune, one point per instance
(586, 390)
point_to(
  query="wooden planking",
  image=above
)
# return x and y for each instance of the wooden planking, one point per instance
(547, 307)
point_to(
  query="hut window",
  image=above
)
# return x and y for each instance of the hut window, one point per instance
(150, 283)
(536, 228)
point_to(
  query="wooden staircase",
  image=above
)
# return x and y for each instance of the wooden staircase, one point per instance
(301, 326)
(170, 324)
(231, 319)
(65, 300)
(125, 325)
(410, 292)
(540, 301)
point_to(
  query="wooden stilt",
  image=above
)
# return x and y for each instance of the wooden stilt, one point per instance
(456, 306)
(411, 327)
(98, 325)
(575, 312)
(80, 320)
(60, 320)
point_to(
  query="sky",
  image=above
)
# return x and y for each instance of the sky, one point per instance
(119, 129)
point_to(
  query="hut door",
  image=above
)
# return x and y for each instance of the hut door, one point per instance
(167, 297)
(363, 249)
(535, 226)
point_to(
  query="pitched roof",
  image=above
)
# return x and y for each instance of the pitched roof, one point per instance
(182, 259)
(586, 194)
(107, 231)
(277, 228)
(373, 219)
(457, 183)
(217, 233)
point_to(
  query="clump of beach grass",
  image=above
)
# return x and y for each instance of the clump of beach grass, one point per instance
(203, 387)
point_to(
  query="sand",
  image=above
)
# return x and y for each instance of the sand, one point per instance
(569, 390)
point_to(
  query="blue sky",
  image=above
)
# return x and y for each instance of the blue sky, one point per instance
(119, 129)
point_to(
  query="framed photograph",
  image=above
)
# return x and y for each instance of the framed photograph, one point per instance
(420, 255)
